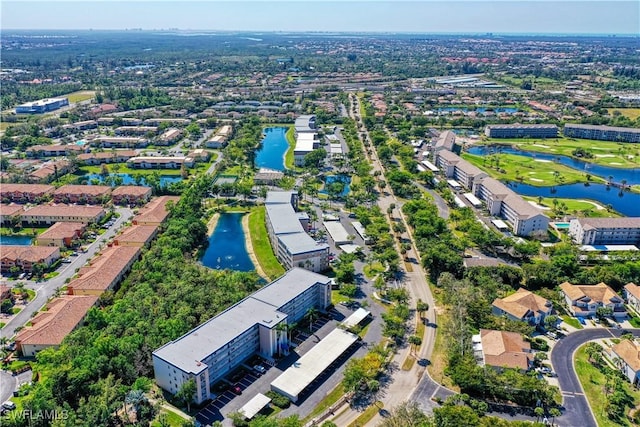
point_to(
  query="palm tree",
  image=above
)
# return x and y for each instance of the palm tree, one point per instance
(415, 342)
(422, 307)
(554, 412)
(135, 398)
(312, 314)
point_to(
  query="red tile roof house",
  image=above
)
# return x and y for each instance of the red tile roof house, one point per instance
(50, 170)
(524, 306)
(155, 212)
(112, 156)
(49, 214)
(25, 193)
(501, 349)
(105, 271)
(136, 235)
(48, 328)
(61, 234)
(83, 194)
(131, 195)
(54, 150)
(25, 257)
(10, 213)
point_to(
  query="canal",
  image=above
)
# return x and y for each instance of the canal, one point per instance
(227, 248)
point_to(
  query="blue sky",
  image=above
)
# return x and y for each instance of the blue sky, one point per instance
(471, 16)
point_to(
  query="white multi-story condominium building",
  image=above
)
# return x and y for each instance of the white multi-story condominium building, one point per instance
(501, 201)
(602, 133)
(446, 141)
(287, 232)
(305, 124)
(605, 231)
(454, 166)
(517, 130)
(255, 325)
(305, 144)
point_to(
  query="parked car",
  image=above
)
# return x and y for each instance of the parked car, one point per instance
(236, 389)
(9, 405)
(259, 369)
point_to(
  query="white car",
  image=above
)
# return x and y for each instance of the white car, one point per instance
(9, 405)
(259, 368)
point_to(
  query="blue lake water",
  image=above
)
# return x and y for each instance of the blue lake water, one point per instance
(274, 147)
(626, 203)
(632, 176)
(129, 180)
(226, 245)
(15, 240)
(329, 179)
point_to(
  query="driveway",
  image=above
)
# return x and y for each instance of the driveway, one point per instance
(577, 410)
(47, 289)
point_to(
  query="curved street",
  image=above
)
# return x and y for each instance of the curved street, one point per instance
(577, 411)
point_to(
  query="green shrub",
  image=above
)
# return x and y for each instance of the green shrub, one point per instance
(279, 400)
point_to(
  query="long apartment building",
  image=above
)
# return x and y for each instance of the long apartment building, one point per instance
(83, 194)
(25, 257)
(287, 232)
(602, 133)
(49, 214)
(454, 166)
(49, 327)
(521, 131)
(105, 271)
(25, 193)
(605, 231)
(119, 142)
(252, 326)
(501, 201)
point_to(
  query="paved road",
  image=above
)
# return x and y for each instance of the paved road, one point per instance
(577, 410)
(47, 289)
(7, 385)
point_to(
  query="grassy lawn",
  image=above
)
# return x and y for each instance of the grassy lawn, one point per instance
(331, 398)
(262, 245)
(337, 297)
(593, 382)
(24, 231)
(170, 418)
(571, 321)
(16, 310)
(367, 415)
(529, 171)
(584, 208)
(373, 269)
(632, 113)
(439, 356)
(2, 325)
(607, 153)
(288, 157)
(81, 95)
(51, 275)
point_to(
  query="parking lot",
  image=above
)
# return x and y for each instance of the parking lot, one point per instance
(250, 382)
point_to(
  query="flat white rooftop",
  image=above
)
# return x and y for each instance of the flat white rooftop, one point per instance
(472, 199)
(358, 316)
(453, 183)
(430, 165)
(306, 369)
(349, 248)
(337, 232)
(255, 405)
(500, 224)
(459, 202)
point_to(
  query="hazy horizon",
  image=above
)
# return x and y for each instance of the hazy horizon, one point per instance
(534, 17)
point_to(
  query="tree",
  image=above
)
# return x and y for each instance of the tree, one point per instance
(415, 342)
(602, 312)
(186, 392)
(539, 412)
(314, 159)
(554, 412)
(312, 315)
(422, 307)
(551, 322)
(407, 414)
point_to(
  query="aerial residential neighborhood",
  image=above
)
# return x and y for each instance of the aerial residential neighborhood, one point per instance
(286, 214)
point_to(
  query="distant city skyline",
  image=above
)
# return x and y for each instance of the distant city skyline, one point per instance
(470, 16)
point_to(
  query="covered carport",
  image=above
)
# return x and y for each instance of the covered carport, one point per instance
(305, 370)
(255, 405)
